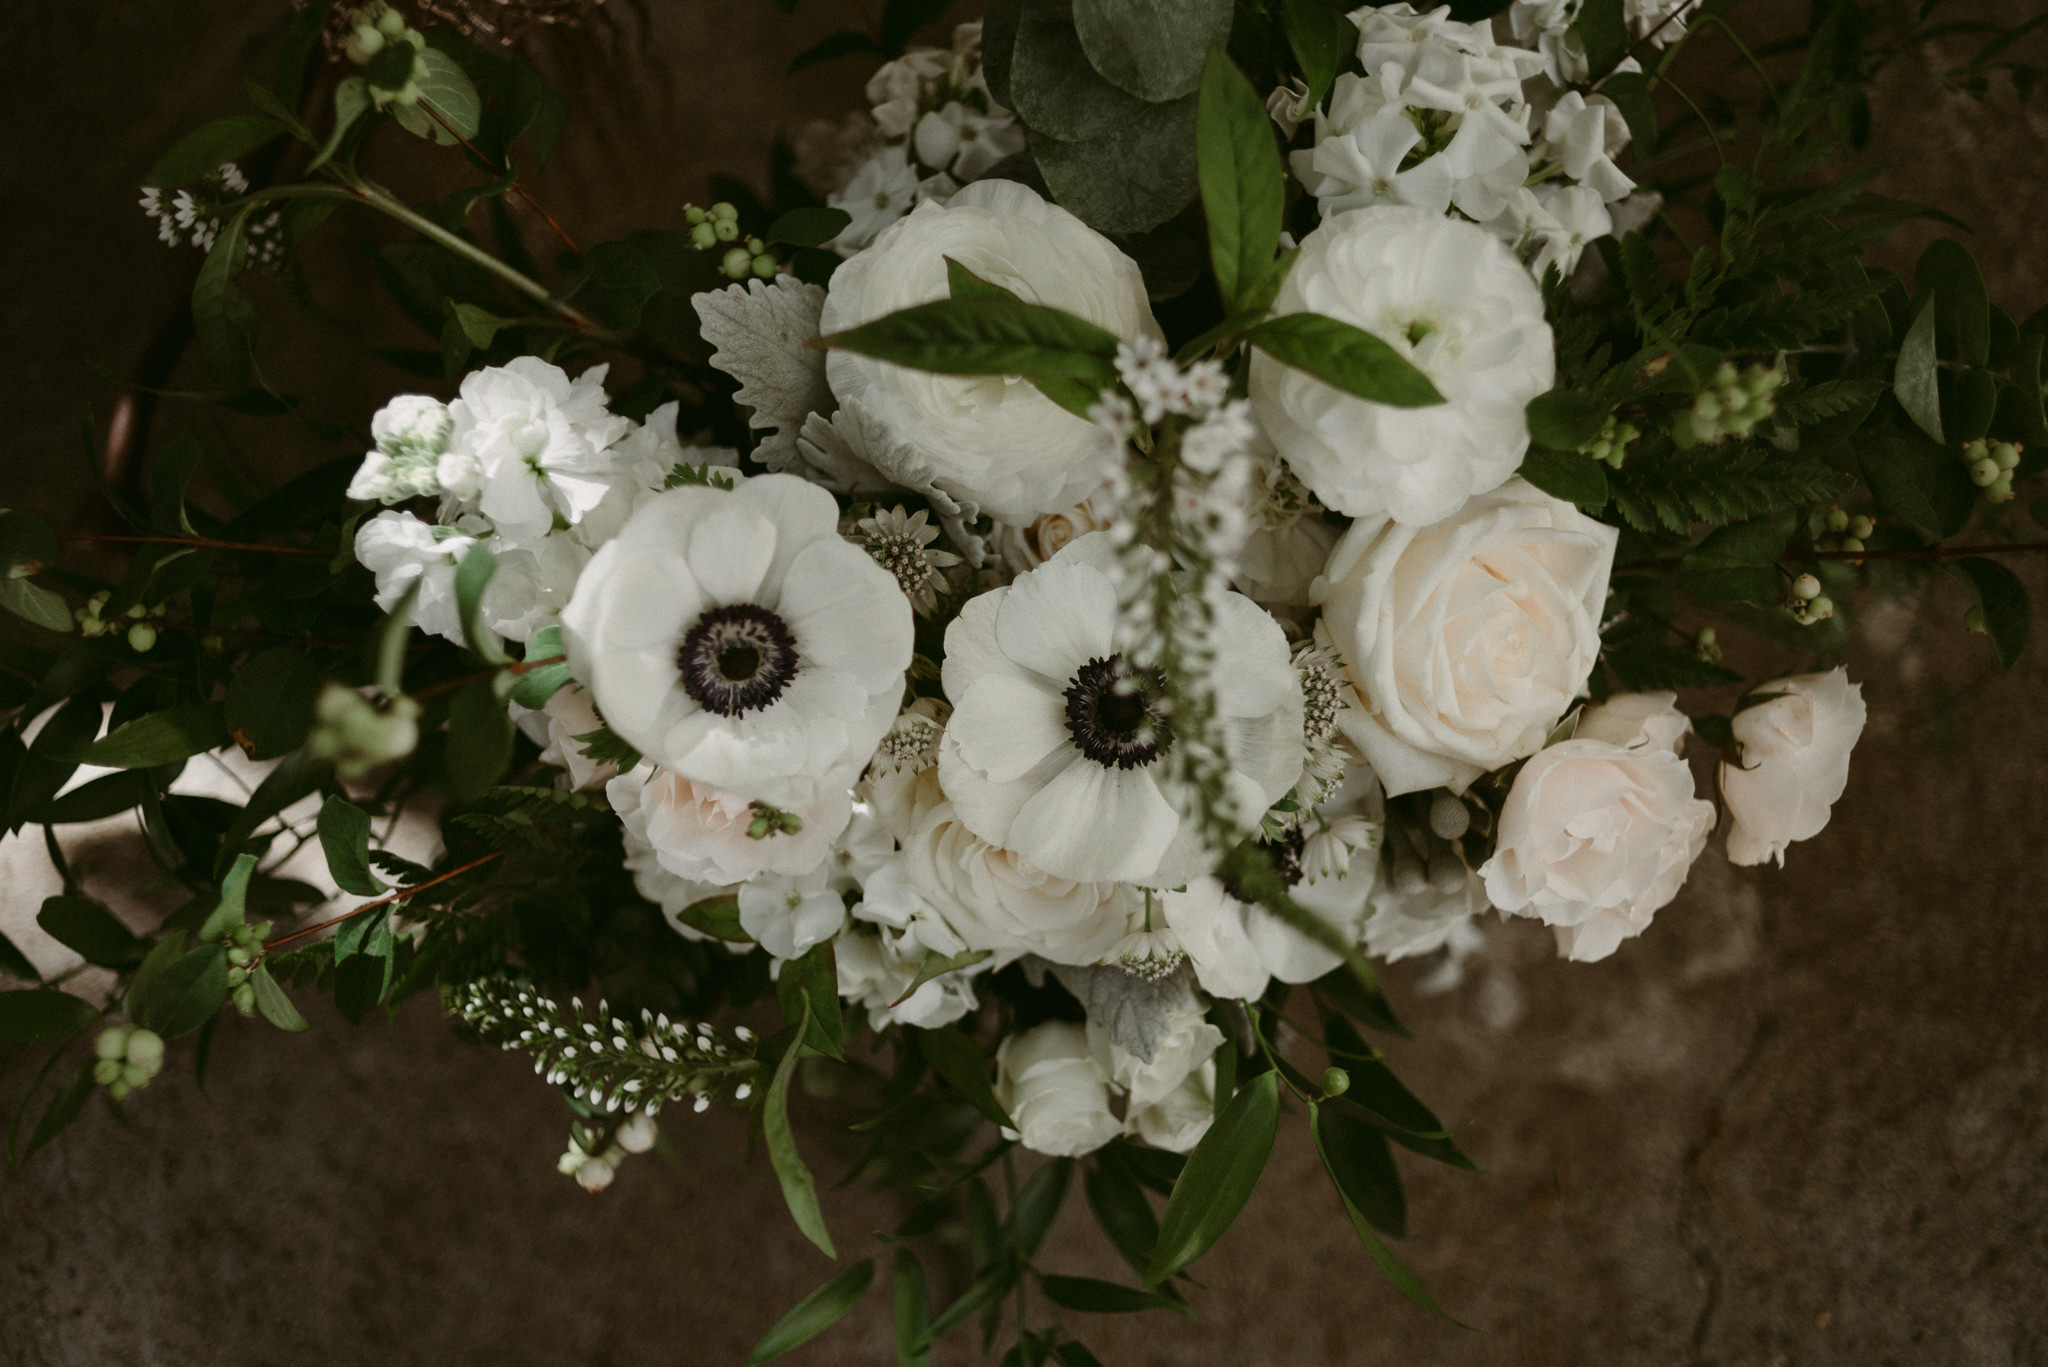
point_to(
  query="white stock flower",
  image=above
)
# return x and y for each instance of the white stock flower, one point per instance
(989, 897)
(1054, 744)
(1457, 304)
(555, 725)
(1794, 752)
(702, 834)
(787, 914)
(1056, 1090)
(991, 439)
(1468, 639)
(538, 439)
(400, 550)
(1594, 839)
(734, 637)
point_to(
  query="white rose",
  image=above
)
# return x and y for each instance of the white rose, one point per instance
(990, 897)
(987, 438)
(1178, 1120)
(1794, 762)
(1468, 639)
(1452, 300)
(1056, 1090)
(1594, 839)
(1636, 721)
(701, 833)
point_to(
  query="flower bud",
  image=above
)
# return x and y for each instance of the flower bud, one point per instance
(1449, 817)
(146, 1050)
(113, 1042)
(1336, 1081)
(1984, 472)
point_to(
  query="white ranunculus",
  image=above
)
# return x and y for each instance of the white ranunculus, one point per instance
(1794, 752)
(1468, 639)
(989, 897)
(538, 441)
(877, 962)
(991, 439)
(1026, 547)
(1049, 752)
(1187, 1042)
(1178, 1120)
(1056, 1090)
(736, 639)
(701, 833)
(1594, 839)
(1452, 300)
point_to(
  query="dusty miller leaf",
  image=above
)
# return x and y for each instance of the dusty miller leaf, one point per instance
(761, 335)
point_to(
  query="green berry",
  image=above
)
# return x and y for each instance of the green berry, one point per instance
(119, 1089)
(1821, 608)
(726, 210)
(391, 22)
(146, 1050)
(1336, 1081)
(1984, 472)
(2000, 489)
(1852, 543)
(1973, 620)
(1806, 587)
(245, 999)
(107, 1072)
(737, 263)
(142, 638)
(727, 230)
(2005, 455)
(694, 215)
(764, 266)
(703, 237)
(239, 956)
(1838, 521)
(113, 1042)
(1861, 527)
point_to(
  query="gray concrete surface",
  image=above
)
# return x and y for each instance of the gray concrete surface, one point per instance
(1799, 1123)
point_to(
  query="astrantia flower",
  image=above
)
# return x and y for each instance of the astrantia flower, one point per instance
(1055, 740)
(901, 543)
(1452, 300)
(991, 439)
(538, 439)
(736, 639)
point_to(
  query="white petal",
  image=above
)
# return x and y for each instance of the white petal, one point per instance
(1096, 824)
(1058, 618)
(1005, 726)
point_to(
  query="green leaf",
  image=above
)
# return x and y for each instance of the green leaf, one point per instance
(472, 577)
(83, 925)
(1072, 1354)
(989, 1289)
(1737, 563)
(158, 738)
(14, 963)
(1603, 29)
(1322, 41)
(270, 701)
(43, 1013)
(184, 995)
(1565, 420)
(202, 151)
(1644, 663)
(1362, 1166)
(345, 839)
(799, 1191)
(1948, 274)
(1243, 186)
(388, 643)
(960, 1061)
(1918, 481)
(808, 988)
(536, 685)
(1630, 91)
(480, 326)
(1403, 1280)
(1350, 358)
(363, 952)
(987, 336)
(625, 281)
(222, 316)
(26, 542)
(1122, 1210)
(479, 746)
(62, 1110)
(833, 46)
(1152, 48)
(913, 1312)
(296, 775)
(815, 1313)
(392, 67)
(936, 964)
(718, 917)
(1572, 476)
(35, 604)
(808, 227)
(1054, 88)
(276, 1007)
(1915, 377)
(1091, 1296)
(444, 87)
(301, 36)
(351, 102)
(2003, 599)
(1130, 178)
(1074, 396)
(1218, 1178)
(1038, 1205)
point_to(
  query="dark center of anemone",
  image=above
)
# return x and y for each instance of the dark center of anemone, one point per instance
(737, 659)
(1113, 714)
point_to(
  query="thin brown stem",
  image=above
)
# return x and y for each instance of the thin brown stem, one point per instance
(401, 895)
(517, 188)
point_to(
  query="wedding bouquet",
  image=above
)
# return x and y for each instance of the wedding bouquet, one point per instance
(1163, 513)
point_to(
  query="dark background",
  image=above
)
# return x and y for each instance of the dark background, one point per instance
(1799, 1122)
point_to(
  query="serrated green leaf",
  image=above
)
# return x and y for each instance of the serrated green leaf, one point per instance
(815, 1313)
(799, 1190)
(1243, 186)
(1347, 357)
(1218, 1178)
(1737, 563)
(345, 839)
(1915, 377)
(276, 1007)
(2003, 599)
(43, 1013)
(159, 738)
(89, 929)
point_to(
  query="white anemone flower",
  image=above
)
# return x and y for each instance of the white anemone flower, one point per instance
(736, 639)
(1054, 747)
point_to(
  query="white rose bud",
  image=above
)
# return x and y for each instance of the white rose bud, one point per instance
(1056, 1090)
(1794, 763)
(1594, 839)
(1466, 640)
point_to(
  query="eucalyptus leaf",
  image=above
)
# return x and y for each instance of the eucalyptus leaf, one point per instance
(1132, 177)
(1052, 85)
(1218, 1178)
(1152, 48)
(1915, 378)
(815, 1313)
